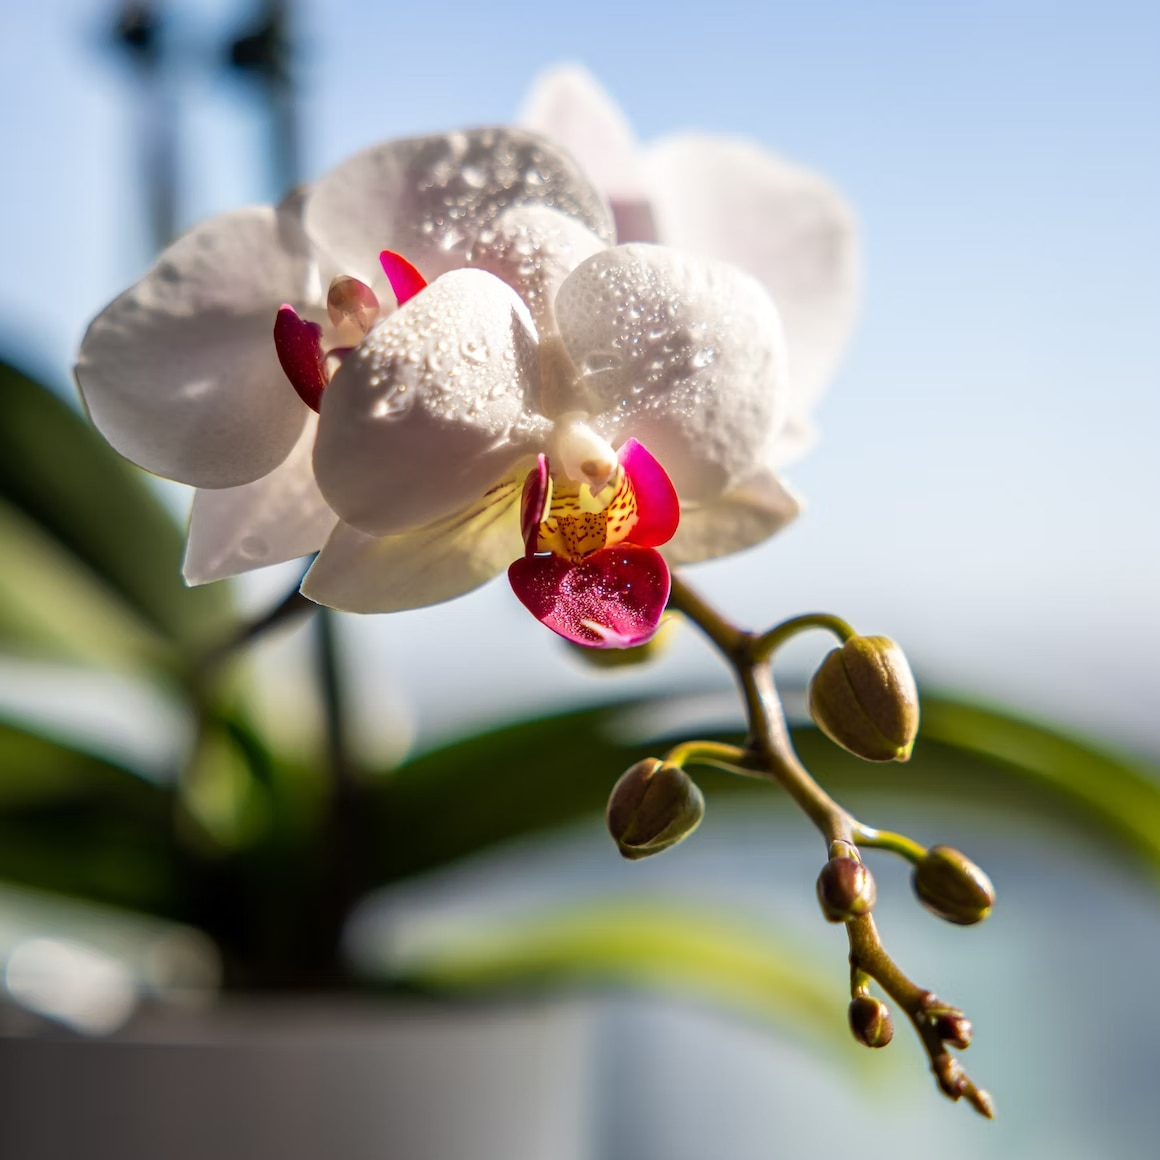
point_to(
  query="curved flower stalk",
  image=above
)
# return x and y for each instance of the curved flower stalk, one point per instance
(728, 198)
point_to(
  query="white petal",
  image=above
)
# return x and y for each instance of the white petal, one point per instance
(428, 197)
(279, 517)
(533, 249)
(179, 373)
(567, 105)
(439, 561)
(742, 518)
(432, 407)
(784, 224)
(681, 353)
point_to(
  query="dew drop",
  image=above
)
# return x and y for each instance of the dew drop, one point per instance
(601, 362)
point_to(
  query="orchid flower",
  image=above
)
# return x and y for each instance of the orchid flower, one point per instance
(599, 395)
(181, 375)
(722, 197)
(538, 406)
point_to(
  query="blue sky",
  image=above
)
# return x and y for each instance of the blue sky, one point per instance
(986, 487)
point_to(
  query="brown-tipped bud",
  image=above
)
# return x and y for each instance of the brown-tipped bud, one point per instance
(863, 698)
(954, 1028)
(953, 887)
(949, 1023)
(653, 806)
(870, 1021)
(846, 889)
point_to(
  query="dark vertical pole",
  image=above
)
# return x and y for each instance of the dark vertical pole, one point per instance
(266, 54)
(139, 34)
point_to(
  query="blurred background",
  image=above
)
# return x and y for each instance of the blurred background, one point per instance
(984, 491)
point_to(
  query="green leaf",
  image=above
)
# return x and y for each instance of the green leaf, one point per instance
(463, 797)
(732, 963)
(75, 824)
(1121, 796)
(50, 608)
(60, 475)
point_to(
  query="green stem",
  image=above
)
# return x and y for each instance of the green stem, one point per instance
(342, 847)
(293, 606)
(769, 642)
(731, 758)
(899, 844)
(748, 655)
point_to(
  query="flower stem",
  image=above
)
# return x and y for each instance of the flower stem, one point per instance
(731, 758)
(899, 844)
(769, 642)
(342, 847)
(770, 754)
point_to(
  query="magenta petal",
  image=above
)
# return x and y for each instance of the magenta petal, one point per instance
(299, 347)
(534, 502)
(613, 599)
(405, 280)
(657, 506)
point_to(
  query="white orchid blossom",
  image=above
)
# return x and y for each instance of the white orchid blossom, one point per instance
(180, 374)
(728, 198)
(542, 403)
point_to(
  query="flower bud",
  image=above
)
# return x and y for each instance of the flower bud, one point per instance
(955, 1028)
(870, 1021)
(863, 698)
(653, 806)
(949, 1023)
(846, 889)
(953, 887)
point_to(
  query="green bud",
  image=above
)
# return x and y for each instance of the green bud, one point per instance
(846, 889)
(870, 1021)
(653, 806)
(863, 698)
(953, 887)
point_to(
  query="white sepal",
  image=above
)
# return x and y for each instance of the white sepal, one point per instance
(279, 517)
(786, 225)
(744, 517)
(355, 572)
(428, 197)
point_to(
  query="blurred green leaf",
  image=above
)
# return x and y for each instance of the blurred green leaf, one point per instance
(1119, 795)
(451, 801)
(50, 608)
(72, 823)
(726, 961)
(61, 475)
